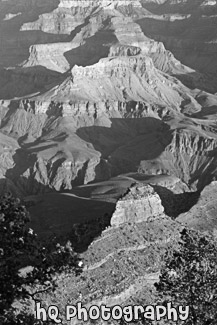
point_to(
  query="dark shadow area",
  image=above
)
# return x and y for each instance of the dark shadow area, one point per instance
(54, 109)
(155, 28)
(95, 47)
(31, 9)
(7, 186)
(78, 29)
(60, 138)
(21, 82)
(175, 204)
(207, 113)
(64, 217)
(33, 146)
(23, 160)
(123, 132)
(35, 150)
(203, 81)
(110, 190)
(83, 234)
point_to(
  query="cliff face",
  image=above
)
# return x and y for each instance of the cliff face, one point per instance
(192, 38)
(202, 215)
(140, 204)
(118, 79)
(63, 19)
(189, 156)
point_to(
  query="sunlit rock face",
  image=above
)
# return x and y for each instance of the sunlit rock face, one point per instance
(187, 29)
(187, 156)
(140, 204)
(70, 14)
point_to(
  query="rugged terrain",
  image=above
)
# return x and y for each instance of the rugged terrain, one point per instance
(108, 115)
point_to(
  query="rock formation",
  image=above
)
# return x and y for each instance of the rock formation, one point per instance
(192, 39)
(140, 204)
(202, 216)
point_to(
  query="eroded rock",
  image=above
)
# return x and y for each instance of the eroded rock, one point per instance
(140, 204)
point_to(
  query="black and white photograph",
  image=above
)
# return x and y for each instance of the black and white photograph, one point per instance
(108, 162)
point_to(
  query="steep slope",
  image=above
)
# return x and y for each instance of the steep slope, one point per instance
(120, 268)
(203, 215)
(118, 79)
(140, 204)
(190, 156)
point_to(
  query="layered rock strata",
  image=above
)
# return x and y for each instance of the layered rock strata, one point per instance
(140, 204)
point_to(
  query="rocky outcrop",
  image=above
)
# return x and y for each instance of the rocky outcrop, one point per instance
(62, 20)
(140, 204)
(50, 56)
(190, 156)
(202, 216)
(119, 79)
(71, 13)
(193, 39)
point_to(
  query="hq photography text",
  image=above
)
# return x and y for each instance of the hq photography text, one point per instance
(128, 313)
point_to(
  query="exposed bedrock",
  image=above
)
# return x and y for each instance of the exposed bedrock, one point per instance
(60, 146)
(190, 156)
(192, 38)
(202, 216)
(144, 203)
(64, 145)
(140, 204)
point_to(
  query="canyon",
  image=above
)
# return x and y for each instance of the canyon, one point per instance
(108, 110)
